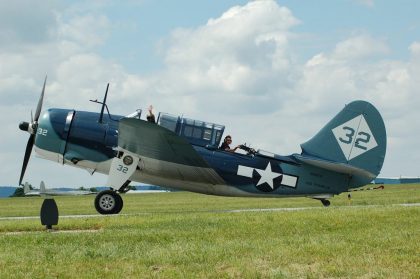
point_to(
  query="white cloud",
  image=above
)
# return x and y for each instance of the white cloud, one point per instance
(360, 47)
(87, 30)
(22, 22)
(340, 76)
(415, 49)
(238, 69)
(214, 69)
(40, 40)
(238, 53)
(248, 34)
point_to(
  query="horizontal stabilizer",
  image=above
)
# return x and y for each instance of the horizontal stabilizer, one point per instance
(334, 166)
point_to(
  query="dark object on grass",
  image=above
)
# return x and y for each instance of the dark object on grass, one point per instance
(49, 213)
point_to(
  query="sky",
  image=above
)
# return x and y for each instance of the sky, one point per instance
(273, 72)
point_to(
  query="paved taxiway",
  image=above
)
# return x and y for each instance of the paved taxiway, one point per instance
(219, 211)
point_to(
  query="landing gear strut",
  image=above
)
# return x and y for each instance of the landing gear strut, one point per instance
(108, 202)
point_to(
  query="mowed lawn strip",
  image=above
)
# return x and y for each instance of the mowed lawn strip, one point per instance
(191, 202)
(186, 236)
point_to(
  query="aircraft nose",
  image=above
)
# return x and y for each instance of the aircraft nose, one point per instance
(24, 126)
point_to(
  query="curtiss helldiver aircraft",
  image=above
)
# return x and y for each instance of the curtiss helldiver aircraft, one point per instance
(183, 153)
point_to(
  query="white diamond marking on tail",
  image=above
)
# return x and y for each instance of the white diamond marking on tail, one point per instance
(354, 137)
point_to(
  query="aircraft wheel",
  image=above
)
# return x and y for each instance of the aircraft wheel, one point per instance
(326, 203)
(120, 204)
(108, 202)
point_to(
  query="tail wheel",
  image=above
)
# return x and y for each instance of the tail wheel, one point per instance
(325, 203)
(108, 202)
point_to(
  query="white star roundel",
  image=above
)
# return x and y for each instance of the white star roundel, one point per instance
(354, 137)
(268, 179)
(267, 176)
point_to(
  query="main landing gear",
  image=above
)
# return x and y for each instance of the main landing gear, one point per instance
(108, 202)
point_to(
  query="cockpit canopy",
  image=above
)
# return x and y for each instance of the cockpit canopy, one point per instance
(201, 133)
(196, 132)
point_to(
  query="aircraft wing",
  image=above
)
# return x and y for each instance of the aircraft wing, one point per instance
(153, 141)
(164, 152)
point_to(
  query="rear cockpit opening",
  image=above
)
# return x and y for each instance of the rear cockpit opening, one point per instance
(197, 132)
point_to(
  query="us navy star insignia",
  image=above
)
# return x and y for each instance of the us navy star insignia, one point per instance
(267, 176)
(267, 180)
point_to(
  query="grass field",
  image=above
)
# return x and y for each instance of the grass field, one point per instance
(186, 235)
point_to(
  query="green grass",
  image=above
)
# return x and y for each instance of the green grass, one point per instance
(185, 235)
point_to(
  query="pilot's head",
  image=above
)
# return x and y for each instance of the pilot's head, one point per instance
(228, 139)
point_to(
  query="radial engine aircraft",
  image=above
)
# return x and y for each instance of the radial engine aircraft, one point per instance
(182, 153)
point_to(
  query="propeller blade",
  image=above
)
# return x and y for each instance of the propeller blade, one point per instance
(28, 151)
(41, 99)
(103, 104)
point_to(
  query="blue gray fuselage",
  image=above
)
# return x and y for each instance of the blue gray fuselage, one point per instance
(76, 138)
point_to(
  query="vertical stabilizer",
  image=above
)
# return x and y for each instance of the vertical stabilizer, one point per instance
(355, 136)
(42, 189)
(26, 188)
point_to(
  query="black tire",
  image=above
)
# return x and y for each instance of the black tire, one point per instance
(120, 204)
(108, 202)
(326, 203)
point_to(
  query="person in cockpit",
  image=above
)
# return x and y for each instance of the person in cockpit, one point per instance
(151, 117)
(226, 144)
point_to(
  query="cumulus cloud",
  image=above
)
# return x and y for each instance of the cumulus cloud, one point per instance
(236, 53)
(87, 30)
(340, 76)
(238, 69)
(360, 47)
(40, 40)
(21, 25)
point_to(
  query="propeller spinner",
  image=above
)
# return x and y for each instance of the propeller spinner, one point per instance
(31, 129)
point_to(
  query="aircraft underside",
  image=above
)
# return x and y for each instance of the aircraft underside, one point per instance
(179, 177)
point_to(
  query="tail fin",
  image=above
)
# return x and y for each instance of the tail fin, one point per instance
(356, 137)
(42, 187)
